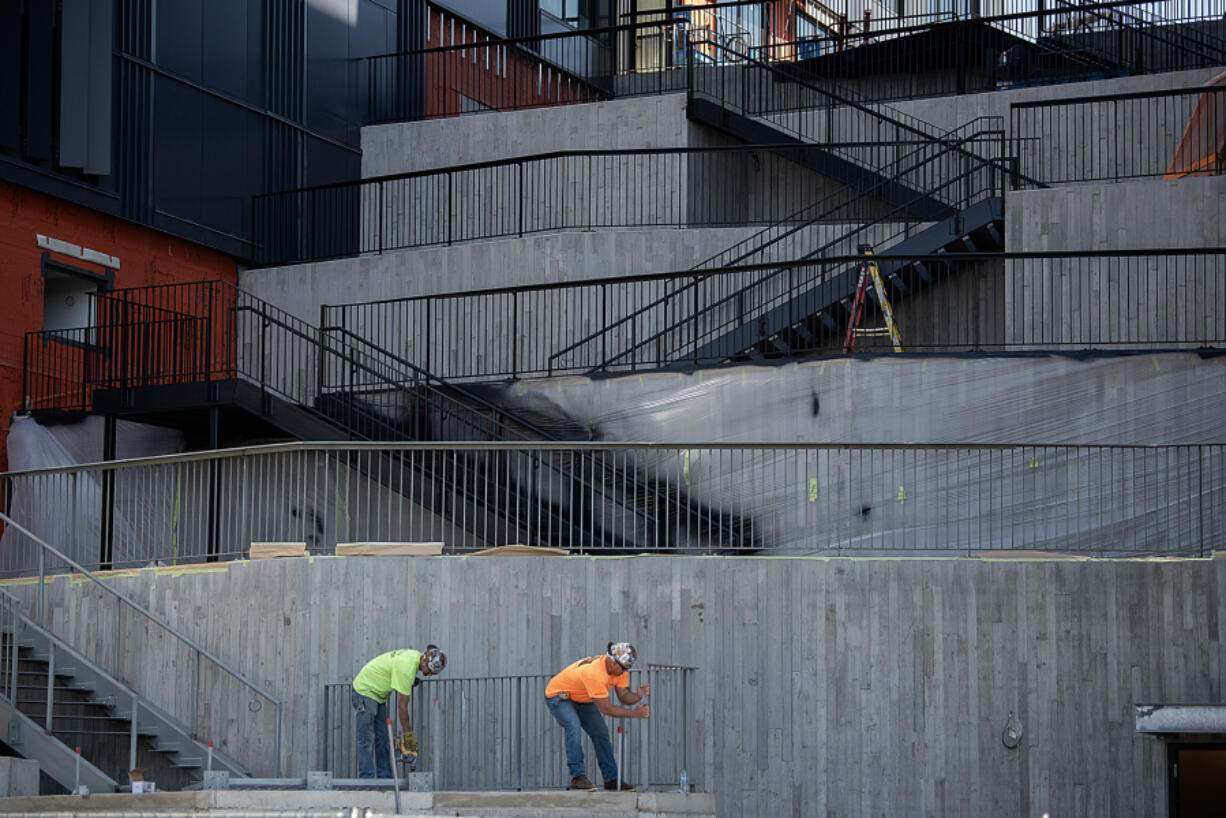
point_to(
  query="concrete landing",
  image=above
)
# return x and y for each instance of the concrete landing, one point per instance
(370, 803)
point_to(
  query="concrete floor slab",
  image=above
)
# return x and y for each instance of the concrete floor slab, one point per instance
(365, 804)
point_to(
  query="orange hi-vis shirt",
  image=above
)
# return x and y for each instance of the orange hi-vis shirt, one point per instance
(585, 681)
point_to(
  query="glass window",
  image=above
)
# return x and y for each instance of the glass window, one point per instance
(808, 42)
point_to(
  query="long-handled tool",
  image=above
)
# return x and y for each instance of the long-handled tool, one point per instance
(621, 754)
(391, 755)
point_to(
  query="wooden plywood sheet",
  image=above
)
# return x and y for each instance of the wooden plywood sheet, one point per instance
(267, 550)
(520, 550)
(389, 549)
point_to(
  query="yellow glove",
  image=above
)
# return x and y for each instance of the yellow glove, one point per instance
(407, 745)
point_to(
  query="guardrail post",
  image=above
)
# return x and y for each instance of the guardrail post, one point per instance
(115, 647)
(133, 734)
(108, 495)
(14, 610)
(518, 720)
(50, 685)
(42, 576)
(196, 694)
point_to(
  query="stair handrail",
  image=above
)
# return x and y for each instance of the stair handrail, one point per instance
(932, 135)
(906, 122)
(984, 126)
(510, 416)
(1154, 26)
(263, 311)
(200, 652)
(317, 340)
(775, 271)
(138, 702)
(697, 279)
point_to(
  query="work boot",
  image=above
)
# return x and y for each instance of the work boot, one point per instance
(580, 782)
(626, 786)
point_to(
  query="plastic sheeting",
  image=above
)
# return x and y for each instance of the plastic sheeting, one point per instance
(1084, 500)
(1202, 148)
(1169, 398)
(162, 514)
(1057, 485)
(32, 445)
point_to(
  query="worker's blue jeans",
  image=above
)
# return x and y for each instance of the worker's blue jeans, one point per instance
(373, 748)
(572, 716)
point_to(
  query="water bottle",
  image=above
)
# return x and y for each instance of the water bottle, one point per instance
(685, 783)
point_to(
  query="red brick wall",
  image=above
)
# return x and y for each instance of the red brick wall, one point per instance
(501, 78)
(146, 257)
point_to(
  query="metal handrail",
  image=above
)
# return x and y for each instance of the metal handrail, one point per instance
(325, 206)
(906, 122)
(757, 487)
(698, 278)
(505, 415)
(734, 296)
(58, 643)
(560, 445)
(534, 38)
(120, 597)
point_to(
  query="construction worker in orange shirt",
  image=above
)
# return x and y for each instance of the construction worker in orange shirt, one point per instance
(578, 697)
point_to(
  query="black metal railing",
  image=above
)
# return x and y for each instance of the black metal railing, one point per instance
(994, 302)
(471, 70)
(453, 719)
(1019, 46)
(368, 394)
(939, 174)
(820, 498)
(569, 190)
(1171, 133)
(772, 299)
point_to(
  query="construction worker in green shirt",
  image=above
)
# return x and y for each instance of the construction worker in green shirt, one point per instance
(395, 670)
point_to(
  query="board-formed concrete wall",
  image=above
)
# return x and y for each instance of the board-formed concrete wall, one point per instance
(825, 686)
(637, 122)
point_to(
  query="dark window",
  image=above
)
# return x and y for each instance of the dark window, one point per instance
(808, 37)
(68, 301)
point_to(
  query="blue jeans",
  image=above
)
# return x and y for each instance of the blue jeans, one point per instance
(373, 748)
(572, 716)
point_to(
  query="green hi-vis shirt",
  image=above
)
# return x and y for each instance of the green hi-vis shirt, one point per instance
(394, 670)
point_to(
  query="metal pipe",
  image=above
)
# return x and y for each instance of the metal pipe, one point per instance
(120, 597)
(132, 738)
(391, 753)
(50, 685)
(277, 742)
(115, 644)
(621, 755)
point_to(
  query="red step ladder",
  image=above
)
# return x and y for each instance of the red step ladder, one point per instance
(869, 270)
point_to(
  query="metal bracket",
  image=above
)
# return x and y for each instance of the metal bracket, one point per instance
(216, 780)
(421, 782)
(319, 780)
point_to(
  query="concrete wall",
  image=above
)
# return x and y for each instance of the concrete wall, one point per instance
(638, 122)
(955, 111)
(484, 334)
(840, 687)
(1132, 214)
(568, 256)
